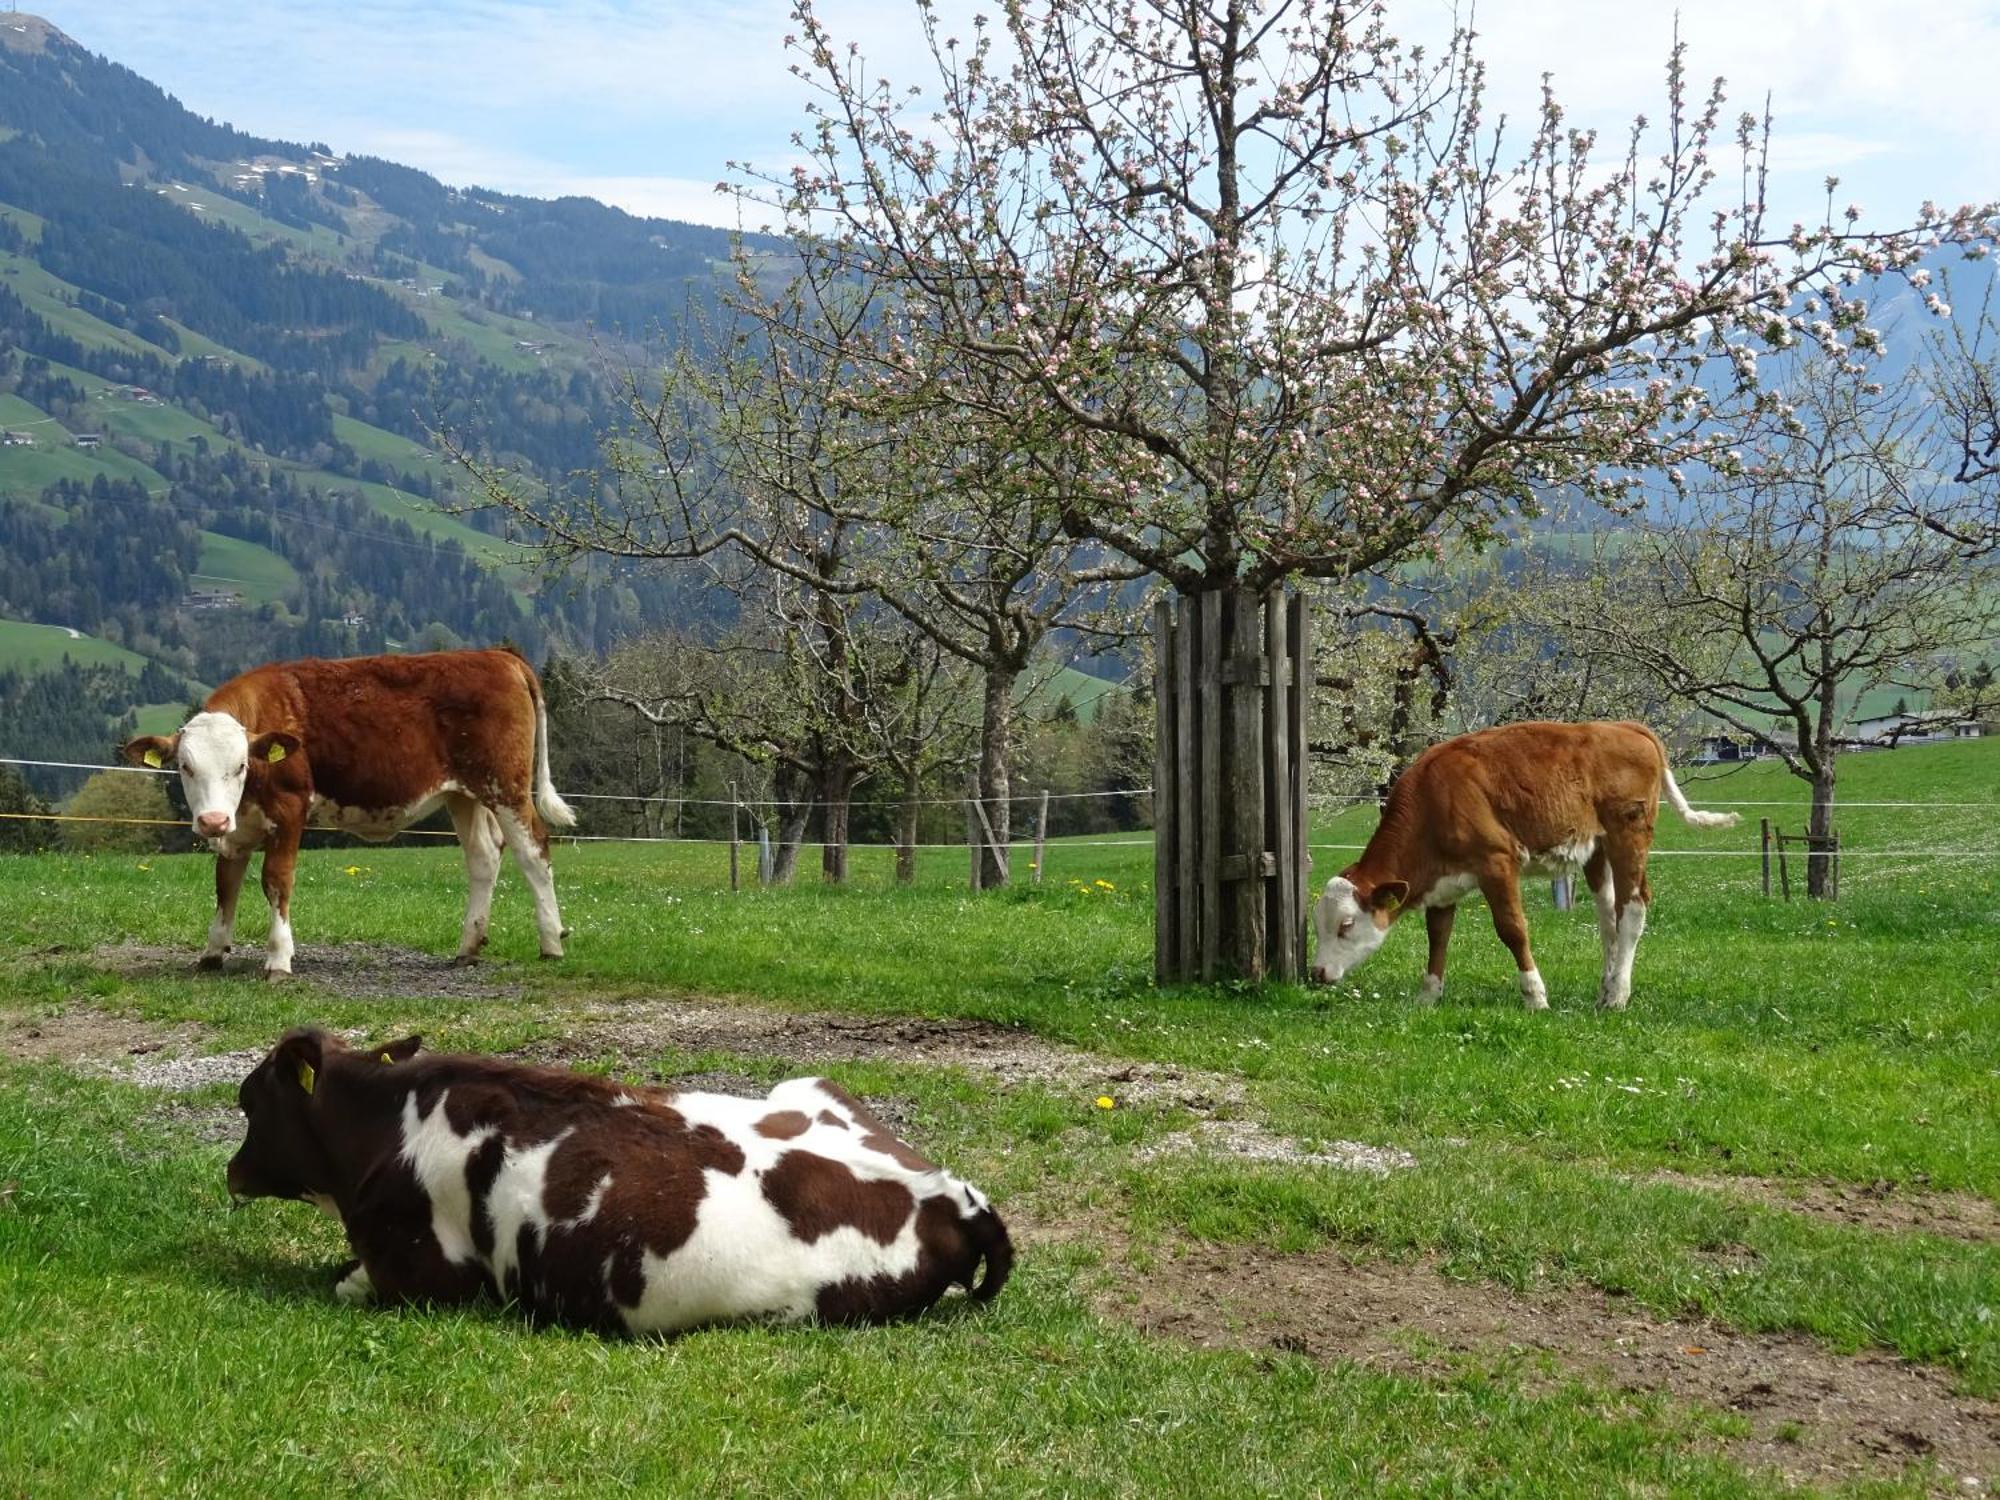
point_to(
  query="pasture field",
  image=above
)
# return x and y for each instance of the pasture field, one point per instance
(257, 573)
(1741, 1237)
(29, 648)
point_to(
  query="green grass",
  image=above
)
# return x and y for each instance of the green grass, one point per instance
(255, 572)
(39, 648)
(26, 472)
(147, 1340)
(51, 298)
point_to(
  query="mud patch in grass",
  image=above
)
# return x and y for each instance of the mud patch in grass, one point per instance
(1811, 1415)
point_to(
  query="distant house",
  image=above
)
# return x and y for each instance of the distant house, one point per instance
(213, 598)
(1916, 728)
(89, 439)
(17, 440)
(1723, 749)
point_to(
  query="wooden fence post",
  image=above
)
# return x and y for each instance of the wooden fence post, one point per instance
(734, 808)
(1764, 848)
(972, 835)
(1784, 872)
(1041, 835)
(1166, 848)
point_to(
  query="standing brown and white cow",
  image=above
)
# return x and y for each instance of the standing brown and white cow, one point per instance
(1474, 812)
(369, 745)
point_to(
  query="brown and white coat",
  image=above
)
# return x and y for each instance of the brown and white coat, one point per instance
(601, 1205)
(369, 745)
(1474, 813)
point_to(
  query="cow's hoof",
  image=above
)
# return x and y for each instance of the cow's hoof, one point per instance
(275, 976)
(1432, 991)
(1605, 1002)
(552, 957)
(465, 960)
(209, 961)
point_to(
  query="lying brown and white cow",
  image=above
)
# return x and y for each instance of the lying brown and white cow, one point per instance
(369, 745)
(601, 1205)
(1474, 812)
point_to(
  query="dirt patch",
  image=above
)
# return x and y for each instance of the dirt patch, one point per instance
(1884, 1206)
(353, 971)
(1813, 1415)
(1006, 1055)
(1252, 1142)
(84, 1036)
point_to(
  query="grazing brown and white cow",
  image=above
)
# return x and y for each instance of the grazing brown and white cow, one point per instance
(601, 1205)
(1474, 812)
(369, 745)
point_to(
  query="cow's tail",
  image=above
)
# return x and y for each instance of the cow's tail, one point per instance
(989, 1237)
(555, 812)
(1694, 817)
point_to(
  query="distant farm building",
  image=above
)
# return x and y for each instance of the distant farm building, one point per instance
(17, 440)
(1918, 728)
(89, 439)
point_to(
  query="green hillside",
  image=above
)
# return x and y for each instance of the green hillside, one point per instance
(36, 648)
(254, 572)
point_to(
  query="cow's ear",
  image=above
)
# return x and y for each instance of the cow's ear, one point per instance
(275, 746)
(395, 1052)
(301, 1055)
(153, 750)
(1389, 895)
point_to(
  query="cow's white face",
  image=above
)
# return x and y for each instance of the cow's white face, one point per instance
(1349, 925)
(213, 751)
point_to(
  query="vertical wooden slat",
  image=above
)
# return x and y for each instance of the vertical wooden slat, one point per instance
(1300, 642)
(1210, 774)
(1280, 839)
(1187, 792)
(1243, 813)
(1166, 939)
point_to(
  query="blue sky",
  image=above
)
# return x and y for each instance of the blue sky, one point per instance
(642, 102)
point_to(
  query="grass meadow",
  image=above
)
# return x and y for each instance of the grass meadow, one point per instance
(152, 1342)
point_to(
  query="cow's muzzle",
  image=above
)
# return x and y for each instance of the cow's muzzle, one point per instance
(213, 825)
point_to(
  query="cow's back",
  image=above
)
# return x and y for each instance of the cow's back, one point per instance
(382, 731)
(1531, 785)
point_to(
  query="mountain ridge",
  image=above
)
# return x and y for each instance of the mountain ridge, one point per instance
(217, 345)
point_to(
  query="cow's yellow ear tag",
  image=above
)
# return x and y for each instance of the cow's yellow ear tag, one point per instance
(306, 1076)
(154, 759)
(387, 1058)
(275, 754)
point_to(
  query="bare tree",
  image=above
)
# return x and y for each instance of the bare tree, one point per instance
(1830, 562)
(759, 440)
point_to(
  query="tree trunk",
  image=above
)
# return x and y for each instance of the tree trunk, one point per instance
(1819, 828)
(794, 810)
(995, 786)
(836, 790)
(906, 825)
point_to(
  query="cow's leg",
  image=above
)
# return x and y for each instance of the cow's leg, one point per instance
(1502, 888)
(529, 840)
(1437, 924)
(1631, 896)
(229, 872)
(281, 858)
(1597, 871)
(479, 835)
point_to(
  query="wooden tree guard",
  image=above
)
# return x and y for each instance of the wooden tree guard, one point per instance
(1232, 673)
